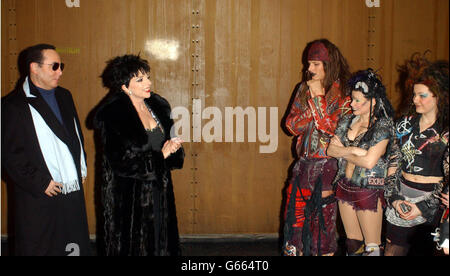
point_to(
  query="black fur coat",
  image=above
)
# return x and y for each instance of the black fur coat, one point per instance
(137, 193)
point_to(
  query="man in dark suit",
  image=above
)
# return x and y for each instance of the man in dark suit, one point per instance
(43, 155)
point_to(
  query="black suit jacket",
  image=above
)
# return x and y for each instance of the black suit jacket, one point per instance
(43, 225)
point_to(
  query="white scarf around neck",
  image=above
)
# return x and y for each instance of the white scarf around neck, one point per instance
(56, 154)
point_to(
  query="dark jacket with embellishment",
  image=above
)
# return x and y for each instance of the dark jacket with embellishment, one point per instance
(363, 177)
(137, 192)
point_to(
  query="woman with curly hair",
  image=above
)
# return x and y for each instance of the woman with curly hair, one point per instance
(415, 175)
(360, 145)
(138, 155)
(320, 101)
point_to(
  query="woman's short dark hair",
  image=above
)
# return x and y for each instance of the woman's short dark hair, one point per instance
(120, 70)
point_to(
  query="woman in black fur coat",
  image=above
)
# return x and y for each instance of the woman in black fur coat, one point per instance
(138, 155)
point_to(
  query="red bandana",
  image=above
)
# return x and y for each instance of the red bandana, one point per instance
(318, 51)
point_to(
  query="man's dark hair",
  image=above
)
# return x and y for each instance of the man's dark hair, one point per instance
(32, 54)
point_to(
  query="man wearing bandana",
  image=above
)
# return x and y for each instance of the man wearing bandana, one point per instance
(310, 211)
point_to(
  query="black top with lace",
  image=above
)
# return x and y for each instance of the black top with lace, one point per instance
(155, 138)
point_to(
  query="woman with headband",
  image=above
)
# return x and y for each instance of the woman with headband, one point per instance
(360, 145)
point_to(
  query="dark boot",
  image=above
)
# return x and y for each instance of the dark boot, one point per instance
(354, 247)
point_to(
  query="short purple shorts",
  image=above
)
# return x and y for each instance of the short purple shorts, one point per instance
(360, 199)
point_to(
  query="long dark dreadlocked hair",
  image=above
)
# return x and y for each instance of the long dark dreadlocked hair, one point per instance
(435, 75)
(370, 85)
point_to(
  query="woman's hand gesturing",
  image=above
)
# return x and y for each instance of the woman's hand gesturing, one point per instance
(171, 146)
